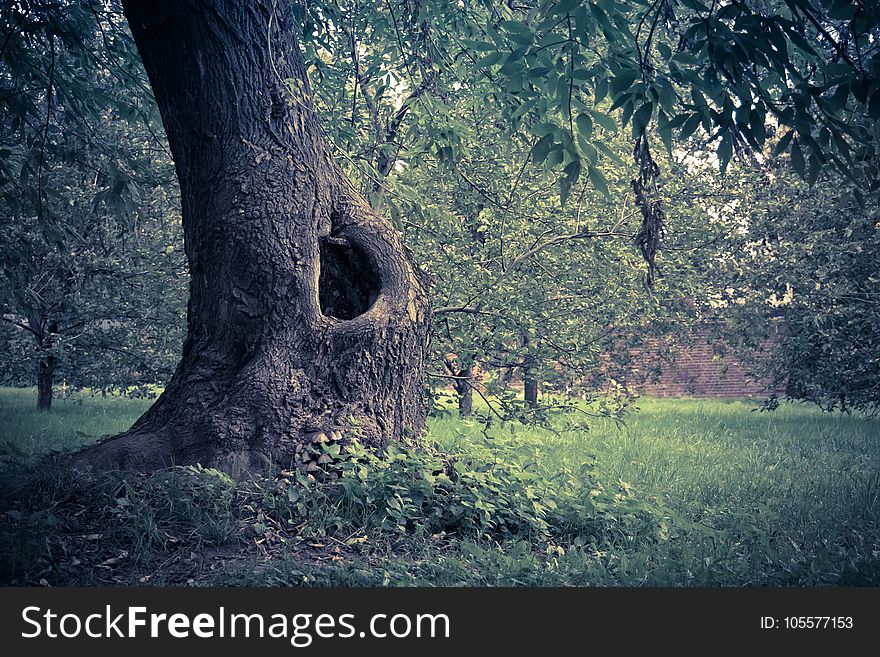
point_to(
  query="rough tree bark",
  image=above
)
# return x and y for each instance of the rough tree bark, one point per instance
(305, 315)
(465, 391)
(530, 384)
(45, 375)
(530, 388)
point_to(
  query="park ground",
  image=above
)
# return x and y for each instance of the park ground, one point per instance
(684, 492)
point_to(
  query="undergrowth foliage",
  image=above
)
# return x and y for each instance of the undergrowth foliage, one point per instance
(68, 526)
(408, 491)
(755, 499)
(106, 519)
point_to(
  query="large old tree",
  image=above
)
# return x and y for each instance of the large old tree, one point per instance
(305, 315)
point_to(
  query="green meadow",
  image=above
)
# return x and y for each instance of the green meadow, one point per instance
(681, 493)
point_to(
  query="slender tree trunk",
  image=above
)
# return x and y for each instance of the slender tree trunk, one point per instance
(45, 375)
(530, 389)
(466, 403)
(305, 315)
(530, 384)
(465, 392)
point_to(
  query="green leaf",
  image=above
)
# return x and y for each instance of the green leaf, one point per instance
(564, 190)
(564, 6)
(690, 126)
(624, 80)
(521, 39)
(585, 126)
(664, 50)
(627, 112)
(601, 90)
(838, 99)
(515, 26)
(513, 66)
(684, 59)
(783, 143)
(620, 101)
(490, 60)
(813, 171)
(666, 95)
(542, 148)
(664, 128)
(604, 120)
(573, 171)
(832, 71)
(589, 151)
(480, 46)
(798, 40)
(545, 129)
(555, 157)
(571, 174)
(725, 151)
(602, 18)
(642, 117)
(598, 180)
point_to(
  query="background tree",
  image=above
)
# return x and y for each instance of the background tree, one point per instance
(86, 217)
(104, 310)
(468, 231)
(809, 256)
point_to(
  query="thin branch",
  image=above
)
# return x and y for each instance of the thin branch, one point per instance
(466, 307)
(507, 205)
(462, 309)
(834, 44)
(467, 380)
(22, 325)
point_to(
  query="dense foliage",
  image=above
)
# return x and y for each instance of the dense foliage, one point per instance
(808, 257)
(93, 272)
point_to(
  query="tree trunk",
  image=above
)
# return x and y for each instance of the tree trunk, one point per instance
(305, 314)
(530, 391)
(530, 384)
(465, 392)
(45, 374)
(466, 403)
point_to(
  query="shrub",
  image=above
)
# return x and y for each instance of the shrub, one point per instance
(410, 491)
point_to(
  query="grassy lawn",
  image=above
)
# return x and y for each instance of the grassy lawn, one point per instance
(686, 492)
(73, 422)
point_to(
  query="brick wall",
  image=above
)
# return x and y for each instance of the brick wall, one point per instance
(695, 368)
(692, 367)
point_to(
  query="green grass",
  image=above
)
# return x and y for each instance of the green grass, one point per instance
(74, 421)
(794, 493)
(706, 454)
(790, 497)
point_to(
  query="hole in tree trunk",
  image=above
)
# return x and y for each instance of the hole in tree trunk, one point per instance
(347, 285)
